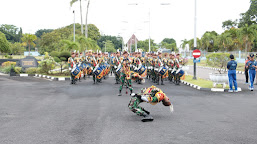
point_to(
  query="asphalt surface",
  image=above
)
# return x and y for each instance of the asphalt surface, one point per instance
(37, 111)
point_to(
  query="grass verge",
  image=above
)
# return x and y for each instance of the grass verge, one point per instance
(201, 82)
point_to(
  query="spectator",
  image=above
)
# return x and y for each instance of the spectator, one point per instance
(232, 65)
(251, 65)
(246, 70)
(256, 72)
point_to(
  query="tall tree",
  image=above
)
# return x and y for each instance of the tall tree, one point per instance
(228, 24)
(4, 44)
(28, 40)
(247, 34)
(184, 43)
(40, 32)
(70, 45)
(71, 3)
(224, 40)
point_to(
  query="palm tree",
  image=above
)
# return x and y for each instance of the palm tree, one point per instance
(247, 35)
(183, 44)
(70, 45)
(28, 40)
(71, 3)
(207, 39)
(224, 40)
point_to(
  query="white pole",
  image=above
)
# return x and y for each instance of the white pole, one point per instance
(195, 41)
(149, 33)
(195, 44)
(74, 27)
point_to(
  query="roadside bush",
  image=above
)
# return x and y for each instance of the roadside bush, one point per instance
(18, 70)
(31, 70)
(56, 59)
(218, 60)
(39, 70)
(63, 59)
(47, 65)
(8, 63)
(65, 54)
(54, 54)
(6, 69)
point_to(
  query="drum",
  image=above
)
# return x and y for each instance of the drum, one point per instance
(163, 70)
(181, 73)
(76, 72)
(98, 72)
(142, 70)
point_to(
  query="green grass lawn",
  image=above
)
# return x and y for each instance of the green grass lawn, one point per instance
(240, 66)
(201, 82)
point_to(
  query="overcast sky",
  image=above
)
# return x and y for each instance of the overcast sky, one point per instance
(114, 17)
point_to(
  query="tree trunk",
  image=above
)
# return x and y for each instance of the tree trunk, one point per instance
(81, 18)
(246, 49)
(29, 48)
(86, 31)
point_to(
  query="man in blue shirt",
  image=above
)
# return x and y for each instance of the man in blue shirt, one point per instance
(232, 74)
(251, 65)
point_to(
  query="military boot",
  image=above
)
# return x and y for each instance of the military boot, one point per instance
(147, 118)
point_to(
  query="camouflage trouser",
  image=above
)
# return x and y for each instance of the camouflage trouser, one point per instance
(122, 79)
(134, 106)
(72, 77)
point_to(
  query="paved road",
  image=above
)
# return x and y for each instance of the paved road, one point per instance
(36, 111)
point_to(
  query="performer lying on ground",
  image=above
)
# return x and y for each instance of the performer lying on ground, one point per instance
(152, 95)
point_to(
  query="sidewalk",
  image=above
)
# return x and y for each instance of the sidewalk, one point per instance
(204, 74)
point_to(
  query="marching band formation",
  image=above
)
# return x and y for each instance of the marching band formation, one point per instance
(126, 68)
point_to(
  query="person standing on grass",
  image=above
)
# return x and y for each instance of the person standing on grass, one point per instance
(246, 69)
(251, 65)
(232, 65)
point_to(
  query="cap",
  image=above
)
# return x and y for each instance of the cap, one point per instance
(251, 55)
(231, 56)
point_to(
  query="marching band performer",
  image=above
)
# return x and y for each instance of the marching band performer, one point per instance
(152, 95)
(125, 73)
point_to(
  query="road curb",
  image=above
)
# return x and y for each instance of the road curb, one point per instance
(207, 89)
(45, 76)
(53, 78)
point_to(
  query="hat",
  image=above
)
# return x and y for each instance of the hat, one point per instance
(231, 56)
(251, 55)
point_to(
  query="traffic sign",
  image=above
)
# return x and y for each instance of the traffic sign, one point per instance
(197, 60)
(196, 53)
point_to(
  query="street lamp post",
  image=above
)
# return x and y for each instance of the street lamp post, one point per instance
(74, 27)
(195, 41)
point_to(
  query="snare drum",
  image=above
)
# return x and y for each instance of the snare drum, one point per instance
(76, 72)
(163, 70)
(141, 70)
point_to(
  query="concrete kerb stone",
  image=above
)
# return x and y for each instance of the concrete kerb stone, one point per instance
(44, 76)
(207, 89)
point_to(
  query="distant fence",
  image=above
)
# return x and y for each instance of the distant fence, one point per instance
(239, 55)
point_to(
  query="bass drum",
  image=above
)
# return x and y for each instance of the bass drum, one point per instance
(76, 72)
(163, 70)
(98, 72)
(181, 73)
(142, 70)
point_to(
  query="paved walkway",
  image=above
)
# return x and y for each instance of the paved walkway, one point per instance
(204, 74)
